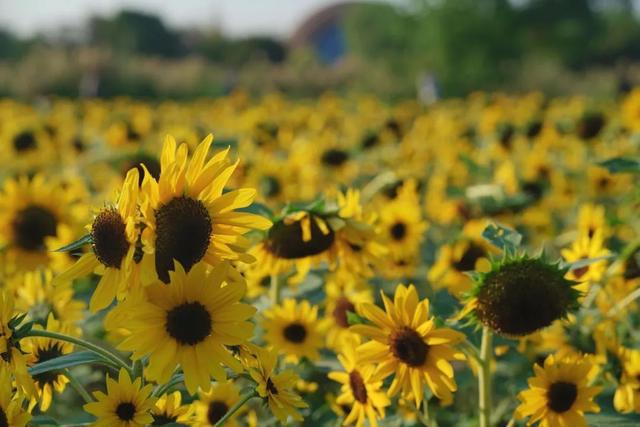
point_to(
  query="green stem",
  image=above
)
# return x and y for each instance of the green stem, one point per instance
(108, 355)
(274, 290)
(467, 347)
(79, 388)
(235, 408)
(166, 387)
(484, 378)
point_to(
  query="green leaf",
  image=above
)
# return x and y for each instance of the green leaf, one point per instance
(44, 420)
(585, 262)
(621, 165)
(258, 209)
(607, 419)
(86, 239)
(502, 237)
(66, 361)
(355, 319)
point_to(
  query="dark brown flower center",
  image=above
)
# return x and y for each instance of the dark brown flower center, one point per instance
(271, 387)
(409, 347)
(561, 396)
(285, 240)
(343, 305)
(44, 354)
(109, 237)
(358, 388)
(32, 225)
(216, 411)
(468, 260)
(398, 231)
(270, 186)
(150, 162)
(581, 271)
(4, 422)
(126, 411)
(24, 141)
(163, 419)
(295, 333)
(188, 323)
(183, 228)
(522, 297)
(334, 157)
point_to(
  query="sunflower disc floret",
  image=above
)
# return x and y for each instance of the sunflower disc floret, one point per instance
(521, 295)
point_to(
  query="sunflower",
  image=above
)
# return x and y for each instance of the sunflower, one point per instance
(627, 396)
(559, 394)
(114, 235)
(12, 352)
(126, 403)
(38, 297)
(30, 211)
(521, 295)
(343, 295)
(294, 329)
(405, 341)
(276, 388)
(453, 262)
(44, 349)
(186, 215)
(301, 239)
(188, 323)
(211, 406)
(583, 248)
(360, 389)
(358, 243)
(401, 224)
(591, 218)
(11, 412)
(169, 410)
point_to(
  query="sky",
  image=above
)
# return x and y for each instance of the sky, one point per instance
(234, 17)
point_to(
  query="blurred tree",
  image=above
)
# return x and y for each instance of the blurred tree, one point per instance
(136, 32)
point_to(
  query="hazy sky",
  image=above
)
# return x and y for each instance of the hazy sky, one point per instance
(236, 17)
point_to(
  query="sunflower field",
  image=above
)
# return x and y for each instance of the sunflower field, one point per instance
(341, 261)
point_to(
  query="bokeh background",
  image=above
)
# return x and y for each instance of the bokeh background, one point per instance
(395, 49)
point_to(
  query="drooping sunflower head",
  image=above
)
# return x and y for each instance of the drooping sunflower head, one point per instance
(299, 235)
(521, 295)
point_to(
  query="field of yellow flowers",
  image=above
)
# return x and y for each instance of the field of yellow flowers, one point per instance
(344, 261)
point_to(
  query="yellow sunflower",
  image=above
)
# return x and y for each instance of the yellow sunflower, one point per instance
(30, 211)
(294, 329)
(12, 353)
(402, 226)
(43, 349)
(211, 406)
(453, 261)
(586, 247)
(559, 394)
(114, 234)
(169, 410)
(591, 218)
(186, 215)
(300, 240)
(276, 388)
(11, 411)
(627, 396)
(188, 323)
(340, 300)
(405, 341)
(361, 389)
(38, 297)
(126, 403)
(358, 243)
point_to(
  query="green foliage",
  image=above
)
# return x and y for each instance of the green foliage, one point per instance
(621, 165)
(502, 237)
